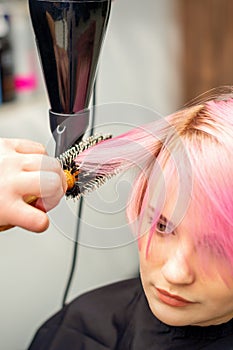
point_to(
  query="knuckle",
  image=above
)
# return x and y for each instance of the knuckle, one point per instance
(9, 169)
(3, 142)
(6, 143)
(27, 161)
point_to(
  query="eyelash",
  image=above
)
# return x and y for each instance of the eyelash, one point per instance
(159, 231)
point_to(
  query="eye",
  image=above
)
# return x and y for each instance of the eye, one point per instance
(161, 226)
(164, 227)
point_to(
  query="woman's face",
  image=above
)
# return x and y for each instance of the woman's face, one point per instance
(178, 289)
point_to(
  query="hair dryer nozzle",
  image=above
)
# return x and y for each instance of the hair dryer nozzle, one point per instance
(69, 36)
(68, 129)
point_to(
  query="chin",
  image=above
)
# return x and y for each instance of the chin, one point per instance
(171, 317)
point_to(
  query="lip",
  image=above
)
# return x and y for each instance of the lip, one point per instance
(171, 299)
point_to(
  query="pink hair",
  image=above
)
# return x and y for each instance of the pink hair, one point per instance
(195, 146)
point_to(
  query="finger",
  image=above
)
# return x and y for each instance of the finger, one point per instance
(44, 163)
(34, 162)
(41, 184)
(27, 146)
(28, 217)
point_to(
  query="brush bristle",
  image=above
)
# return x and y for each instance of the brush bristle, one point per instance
(84, 182)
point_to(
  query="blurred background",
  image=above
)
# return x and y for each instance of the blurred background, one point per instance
(157, 55)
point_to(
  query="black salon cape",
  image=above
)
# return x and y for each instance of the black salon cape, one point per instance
(118, 317)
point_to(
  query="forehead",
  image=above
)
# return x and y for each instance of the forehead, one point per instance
(170, 188)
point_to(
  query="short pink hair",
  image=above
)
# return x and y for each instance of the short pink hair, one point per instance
(196, 143)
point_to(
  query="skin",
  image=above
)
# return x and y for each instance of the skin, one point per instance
(26, 169)
(173, 264)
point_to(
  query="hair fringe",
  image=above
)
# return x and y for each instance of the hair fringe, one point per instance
(199, 140)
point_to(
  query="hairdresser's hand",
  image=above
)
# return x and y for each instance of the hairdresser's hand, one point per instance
(26, 169)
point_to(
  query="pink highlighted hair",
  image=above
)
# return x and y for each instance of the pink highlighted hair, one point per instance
(189, 152)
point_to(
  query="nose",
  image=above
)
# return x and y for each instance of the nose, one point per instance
(178, 269)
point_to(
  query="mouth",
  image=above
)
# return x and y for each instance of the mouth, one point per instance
(171, 299)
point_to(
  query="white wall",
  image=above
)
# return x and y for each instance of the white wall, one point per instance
(140, 63)
(139, 66)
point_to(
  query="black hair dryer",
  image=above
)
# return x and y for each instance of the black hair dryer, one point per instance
(69, 36)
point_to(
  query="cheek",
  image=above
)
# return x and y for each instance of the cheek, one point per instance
(155, 250)
(150, 260)
(145, 271)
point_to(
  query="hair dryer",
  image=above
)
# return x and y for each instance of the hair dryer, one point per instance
(69, 35)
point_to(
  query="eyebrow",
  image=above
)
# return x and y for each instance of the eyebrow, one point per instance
(162, 217)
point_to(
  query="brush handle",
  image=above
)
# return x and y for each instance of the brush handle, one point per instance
(30, 200)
